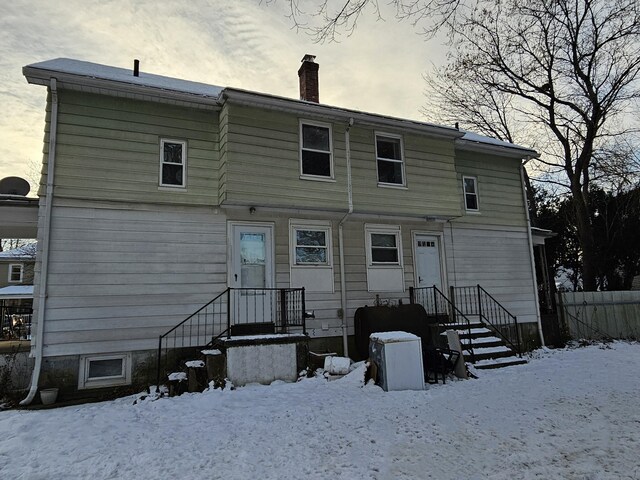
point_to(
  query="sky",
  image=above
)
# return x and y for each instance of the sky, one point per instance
(248, 44)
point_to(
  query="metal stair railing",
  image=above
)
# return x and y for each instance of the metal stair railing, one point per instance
(476, 300)
(284, 308)
(437, 304)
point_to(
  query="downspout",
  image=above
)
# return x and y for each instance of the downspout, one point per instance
(42, 292)
(531, 254)
(343, 286)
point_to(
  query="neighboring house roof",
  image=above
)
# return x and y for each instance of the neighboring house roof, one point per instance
(16, 292)
(25, 252)
(76, 74)
(539, 235)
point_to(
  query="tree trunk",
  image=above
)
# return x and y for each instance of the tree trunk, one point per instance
(587, 241)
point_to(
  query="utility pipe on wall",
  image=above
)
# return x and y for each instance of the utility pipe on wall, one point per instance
(531, 255)
(343, 286)
(44, 241)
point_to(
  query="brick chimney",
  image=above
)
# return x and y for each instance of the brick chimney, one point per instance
(308, 74)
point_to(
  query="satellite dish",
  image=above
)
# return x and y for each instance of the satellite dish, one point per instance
(14, 186)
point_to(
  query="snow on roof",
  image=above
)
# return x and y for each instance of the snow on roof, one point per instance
(16, 291)
(27, 250)
(474, 137)
(124, 75)
(389, 337)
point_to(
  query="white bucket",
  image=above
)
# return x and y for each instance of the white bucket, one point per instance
(49, 396)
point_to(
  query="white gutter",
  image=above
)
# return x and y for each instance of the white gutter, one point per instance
(44, 262)
(343, 286)
(531, 254)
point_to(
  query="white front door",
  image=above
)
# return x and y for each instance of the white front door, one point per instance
(252, 270)
(428, 268)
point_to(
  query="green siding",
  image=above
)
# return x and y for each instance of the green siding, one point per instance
(108, 148)
(262, 167)
(499, 189)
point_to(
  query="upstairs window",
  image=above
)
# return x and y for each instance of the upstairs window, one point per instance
(315, 150)
(470, 186)
(173, 163)
(15, 273)
(389, 159)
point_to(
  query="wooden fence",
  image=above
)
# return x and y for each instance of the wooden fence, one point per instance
(601, 315)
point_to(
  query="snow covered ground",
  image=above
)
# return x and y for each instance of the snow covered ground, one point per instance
(569, 414)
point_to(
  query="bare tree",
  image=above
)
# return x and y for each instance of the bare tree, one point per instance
(566, 70)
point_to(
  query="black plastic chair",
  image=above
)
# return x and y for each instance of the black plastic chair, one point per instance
(438, 361)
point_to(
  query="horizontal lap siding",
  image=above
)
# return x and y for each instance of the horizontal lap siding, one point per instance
(326, 305)
(109, 149)
(430, 177)
(261, 166)
(499, 183)
(118, 277)
(499, 260)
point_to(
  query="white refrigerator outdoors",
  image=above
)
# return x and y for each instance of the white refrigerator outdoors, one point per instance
(398, 356)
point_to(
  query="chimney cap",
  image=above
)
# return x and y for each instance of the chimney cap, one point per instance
(308, 58)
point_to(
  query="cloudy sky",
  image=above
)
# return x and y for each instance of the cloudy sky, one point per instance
(241, 43)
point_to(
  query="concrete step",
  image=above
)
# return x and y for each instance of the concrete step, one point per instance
(490, 364)
(486, 353)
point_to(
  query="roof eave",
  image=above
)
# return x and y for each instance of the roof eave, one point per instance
(70, 81)
(243, 97)
(514, 151)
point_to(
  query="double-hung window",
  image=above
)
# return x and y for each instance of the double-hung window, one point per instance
(389, 159)
(385, 272)
(173, 163)
(311, 255)
(15, 272)
(311, 246)
(470, 187)
(316, 157)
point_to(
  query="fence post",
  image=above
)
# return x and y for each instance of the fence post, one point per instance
(159, 364)
(452, 297)
(435, 300)
(283, 309)
(412, 298)
(228, 312)
(304, 313)
(515, 320)
(479, 304)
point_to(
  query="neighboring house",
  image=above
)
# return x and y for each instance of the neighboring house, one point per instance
(16, 291)
(160, 193)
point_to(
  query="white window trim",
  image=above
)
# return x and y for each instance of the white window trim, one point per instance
(84, 382)
(401, 161)
(477, 194)
(168, 186)
(21, 267)
(386, 230)
(310, 225)
(307, 176)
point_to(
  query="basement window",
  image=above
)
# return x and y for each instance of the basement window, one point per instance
(173, 163)
(104, 371)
